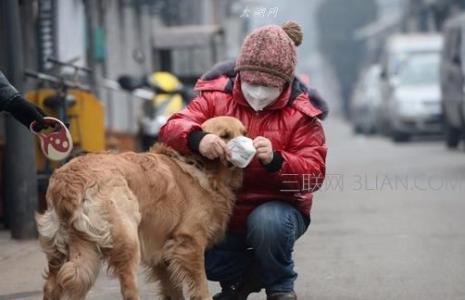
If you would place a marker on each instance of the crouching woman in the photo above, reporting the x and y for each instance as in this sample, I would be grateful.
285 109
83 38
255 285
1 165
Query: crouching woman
283 118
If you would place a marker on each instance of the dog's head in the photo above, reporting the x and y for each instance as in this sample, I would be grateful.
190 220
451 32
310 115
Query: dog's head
225 127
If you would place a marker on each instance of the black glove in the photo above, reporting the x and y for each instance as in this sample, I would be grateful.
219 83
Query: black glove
26 112
23 111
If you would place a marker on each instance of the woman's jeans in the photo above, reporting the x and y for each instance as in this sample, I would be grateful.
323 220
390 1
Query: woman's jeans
272 229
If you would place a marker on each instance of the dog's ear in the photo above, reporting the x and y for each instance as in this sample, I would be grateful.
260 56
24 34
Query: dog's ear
241 129
244 131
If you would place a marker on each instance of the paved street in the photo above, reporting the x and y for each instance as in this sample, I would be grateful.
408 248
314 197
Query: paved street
388 224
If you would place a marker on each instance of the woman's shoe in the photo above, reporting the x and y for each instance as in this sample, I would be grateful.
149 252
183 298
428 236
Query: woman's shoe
239 291
282 296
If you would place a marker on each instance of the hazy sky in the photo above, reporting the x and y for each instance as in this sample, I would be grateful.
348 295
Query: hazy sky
303 12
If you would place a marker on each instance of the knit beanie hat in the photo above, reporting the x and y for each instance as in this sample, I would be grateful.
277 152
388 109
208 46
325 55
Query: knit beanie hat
268 55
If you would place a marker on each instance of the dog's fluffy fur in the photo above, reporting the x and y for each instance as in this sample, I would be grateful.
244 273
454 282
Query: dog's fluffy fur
158 207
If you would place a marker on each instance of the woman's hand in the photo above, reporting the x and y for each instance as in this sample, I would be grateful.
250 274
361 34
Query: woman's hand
212 146
264 149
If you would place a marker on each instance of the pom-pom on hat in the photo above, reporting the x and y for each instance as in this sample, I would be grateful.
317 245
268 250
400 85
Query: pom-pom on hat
268 55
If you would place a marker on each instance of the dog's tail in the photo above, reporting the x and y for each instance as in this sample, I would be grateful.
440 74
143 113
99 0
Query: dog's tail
71 232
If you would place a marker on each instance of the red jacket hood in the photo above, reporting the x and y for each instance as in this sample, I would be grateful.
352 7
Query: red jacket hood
223 78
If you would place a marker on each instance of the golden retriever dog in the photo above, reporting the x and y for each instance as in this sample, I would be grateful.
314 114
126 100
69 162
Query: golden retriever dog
156 207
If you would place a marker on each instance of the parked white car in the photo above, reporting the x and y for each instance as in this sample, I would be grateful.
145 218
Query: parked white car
410 89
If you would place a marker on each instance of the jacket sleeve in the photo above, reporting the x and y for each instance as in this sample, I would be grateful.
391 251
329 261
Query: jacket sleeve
7 92
301 166
182 131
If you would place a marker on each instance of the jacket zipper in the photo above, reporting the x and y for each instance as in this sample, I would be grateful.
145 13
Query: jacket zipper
253 122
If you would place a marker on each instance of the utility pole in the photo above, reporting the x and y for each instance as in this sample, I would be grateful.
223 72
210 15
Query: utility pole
20 169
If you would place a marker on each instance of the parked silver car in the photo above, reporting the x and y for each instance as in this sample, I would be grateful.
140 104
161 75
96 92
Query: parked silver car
410 88
415 106
365 102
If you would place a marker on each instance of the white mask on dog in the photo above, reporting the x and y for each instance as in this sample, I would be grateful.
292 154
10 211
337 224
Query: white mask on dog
259 96
242 151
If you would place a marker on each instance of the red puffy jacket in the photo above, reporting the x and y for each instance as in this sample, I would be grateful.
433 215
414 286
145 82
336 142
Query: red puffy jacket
292 125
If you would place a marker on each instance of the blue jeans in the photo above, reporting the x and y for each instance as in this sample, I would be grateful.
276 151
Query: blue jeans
272 229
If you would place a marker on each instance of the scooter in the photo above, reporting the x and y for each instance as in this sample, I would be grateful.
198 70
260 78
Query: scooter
169 96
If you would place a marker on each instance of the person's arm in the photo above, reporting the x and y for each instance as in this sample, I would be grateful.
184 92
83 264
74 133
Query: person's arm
182 130
302 164
7 91
12 102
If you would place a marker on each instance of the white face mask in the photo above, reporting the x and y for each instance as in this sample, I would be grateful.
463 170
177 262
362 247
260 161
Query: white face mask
259 96
242 151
